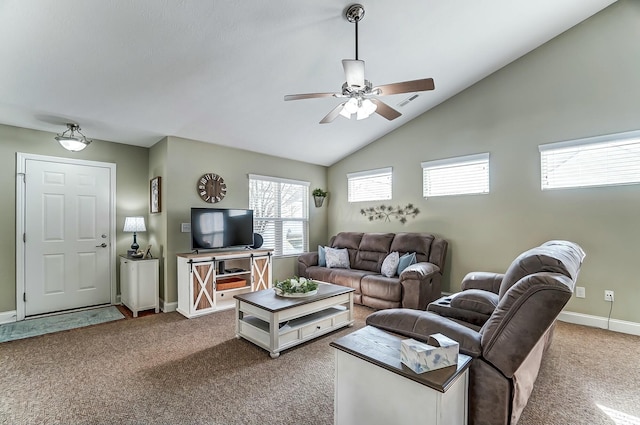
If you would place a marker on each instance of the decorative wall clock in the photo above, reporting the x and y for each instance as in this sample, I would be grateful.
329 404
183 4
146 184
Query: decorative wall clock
211 187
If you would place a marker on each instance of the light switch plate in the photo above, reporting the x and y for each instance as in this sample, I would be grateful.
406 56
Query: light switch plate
185 227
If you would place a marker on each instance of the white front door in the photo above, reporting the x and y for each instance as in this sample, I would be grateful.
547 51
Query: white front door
67 235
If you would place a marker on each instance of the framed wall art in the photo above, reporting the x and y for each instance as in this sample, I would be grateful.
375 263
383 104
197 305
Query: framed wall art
155 205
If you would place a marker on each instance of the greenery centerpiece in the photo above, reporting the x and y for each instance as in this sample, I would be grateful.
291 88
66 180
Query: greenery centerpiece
296 287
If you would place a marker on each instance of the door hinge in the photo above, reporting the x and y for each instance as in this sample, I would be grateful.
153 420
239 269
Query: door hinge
24 238
24 296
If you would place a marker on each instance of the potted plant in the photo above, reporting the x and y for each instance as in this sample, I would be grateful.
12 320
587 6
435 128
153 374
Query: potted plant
318 196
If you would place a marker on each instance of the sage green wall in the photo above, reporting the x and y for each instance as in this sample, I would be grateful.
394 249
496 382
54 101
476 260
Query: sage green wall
583 83
187 160
158 221
131 191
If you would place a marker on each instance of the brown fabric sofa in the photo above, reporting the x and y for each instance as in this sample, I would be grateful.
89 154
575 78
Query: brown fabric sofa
508 347
414 288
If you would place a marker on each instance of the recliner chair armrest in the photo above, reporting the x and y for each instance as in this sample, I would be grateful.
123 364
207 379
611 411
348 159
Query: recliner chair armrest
420 285
306 260
486 281
420 324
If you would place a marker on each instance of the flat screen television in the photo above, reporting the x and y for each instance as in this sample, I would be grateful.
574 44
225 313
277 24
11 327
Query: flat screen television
215 228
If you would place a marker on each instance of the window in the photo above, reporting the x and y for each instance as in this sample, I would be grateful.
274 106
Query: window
371 185
280 213
596 161
461 175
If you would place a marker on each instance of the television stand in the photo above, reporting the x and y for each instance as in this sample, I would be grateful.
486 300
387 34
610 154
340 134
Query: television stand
204 287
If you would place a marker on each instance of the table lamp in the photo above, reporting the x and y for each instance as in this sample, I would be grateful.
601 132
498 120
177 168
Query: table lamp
134 224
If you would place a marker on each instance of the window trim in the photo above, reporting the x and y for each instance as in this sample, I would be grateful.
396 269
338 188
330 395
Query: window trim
370 173
305 220
479 158
585 141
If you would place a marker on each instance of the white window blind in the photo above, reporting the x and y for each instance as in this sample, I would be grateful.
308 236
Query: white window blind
456 176
371 185
596 161
280 213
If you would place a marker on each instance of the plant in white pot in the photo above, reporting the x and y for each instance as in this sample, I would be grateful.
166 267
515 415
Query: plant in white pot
318 196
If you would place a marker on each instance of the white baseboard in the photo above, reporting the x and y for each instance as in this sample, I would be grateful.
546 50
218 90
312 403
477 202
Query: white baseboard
168 307
8 316
615 325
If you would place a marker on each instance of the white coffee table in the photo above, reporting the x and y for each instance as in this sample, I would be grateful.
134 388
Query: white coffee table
276 323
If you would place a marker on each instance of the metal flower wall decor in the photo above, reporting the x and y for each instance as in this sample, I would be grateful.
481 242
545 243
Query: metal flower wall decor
385 212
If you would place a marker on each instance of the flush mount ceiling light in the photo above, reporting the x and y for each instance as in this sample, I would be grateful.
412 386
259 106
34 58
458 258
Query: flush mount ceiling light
72 142
361 95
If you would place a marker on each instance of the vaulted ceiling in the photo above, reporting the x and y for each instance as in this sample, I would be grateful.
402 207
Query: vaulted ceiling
216 71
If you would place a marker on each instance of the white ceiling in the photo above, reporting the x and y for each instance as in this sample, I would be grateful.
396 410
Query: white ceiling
134 71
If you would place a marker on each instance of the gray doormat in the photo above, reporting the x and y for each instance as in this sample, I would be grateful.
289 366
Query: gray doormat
59 322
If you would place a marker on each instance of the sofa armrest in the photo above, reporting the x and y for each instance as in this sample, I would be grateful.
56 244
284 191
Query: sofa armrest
420 324
420 285
306 260
486 281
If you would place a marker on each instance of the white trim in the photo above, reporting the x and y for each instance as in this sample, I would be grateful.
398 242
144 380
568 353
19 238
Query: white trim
457 160
370 173
168 307
278 179
7 317
21 164
631 328
590 140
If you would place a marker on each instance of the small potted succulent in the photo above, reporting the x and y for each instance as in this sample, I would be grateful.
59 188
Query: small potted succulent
318 196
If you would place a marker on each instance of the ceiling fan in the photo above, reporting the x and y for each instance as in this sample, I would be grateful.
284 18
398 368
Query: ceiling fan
360 94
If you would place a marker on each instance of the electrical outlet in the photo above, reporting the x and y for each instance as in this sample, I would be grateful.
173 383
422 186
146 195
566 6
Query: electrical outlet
580 292
185 227
608 295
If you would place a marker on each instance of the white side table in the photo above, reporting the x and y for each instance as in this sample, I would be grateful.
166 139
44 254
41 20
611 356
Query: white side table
373 386
139 282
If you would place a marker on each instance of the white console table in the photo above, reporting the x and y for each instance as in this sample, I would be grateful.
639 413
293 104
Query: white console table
208 281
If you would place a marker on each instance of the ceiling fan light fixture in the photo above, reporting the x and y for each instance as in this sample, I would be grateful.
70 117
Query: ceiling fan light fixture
71 141
366 109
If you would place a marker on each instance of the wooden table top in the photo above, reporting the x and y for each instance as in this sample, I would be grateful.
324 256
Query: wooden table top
383 349
269 301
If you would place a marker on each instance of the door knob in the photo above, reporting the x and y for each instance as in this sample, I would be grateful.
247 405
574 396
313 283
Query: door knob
102 245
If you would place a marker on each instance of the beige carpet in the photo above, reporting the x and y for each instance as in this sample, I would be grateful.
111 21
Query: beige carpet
165 369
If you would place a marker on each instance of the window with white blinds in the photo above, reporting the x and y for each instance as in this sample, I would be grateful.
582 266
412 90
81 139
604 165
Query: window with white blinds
280 213
461 175
596 161
370 185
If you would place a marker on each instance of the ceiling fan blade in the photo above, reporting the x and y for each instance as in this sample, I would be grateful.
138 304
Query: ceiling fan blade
354 72
406 87
385 110
308 96
333 114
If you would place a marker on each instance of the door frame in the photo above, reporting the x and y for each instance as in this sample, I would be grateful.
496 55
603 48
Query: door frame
21 165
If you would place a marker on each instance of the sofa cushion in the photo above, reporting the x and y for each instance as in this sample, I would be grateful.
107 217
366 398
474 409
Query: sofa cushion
405 261
337 258
390 264
322 256
381 287
420 243
373 249
345 277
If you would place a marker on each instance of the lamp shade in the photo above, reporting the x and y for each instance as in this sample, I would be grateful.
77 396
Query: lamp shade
134 224
70 141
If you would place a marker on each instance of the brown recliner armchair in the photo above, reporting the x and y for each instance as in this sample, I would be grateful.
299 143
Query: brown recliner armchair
507 348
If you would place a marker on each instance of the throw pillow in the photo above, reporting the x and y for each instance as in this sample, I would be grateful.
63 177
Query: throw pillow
337 258
322 259
405 261
390 264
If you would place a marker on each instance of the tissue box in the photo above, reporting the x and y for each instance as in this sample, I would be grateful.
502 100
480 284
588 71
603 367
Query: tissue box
438 352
